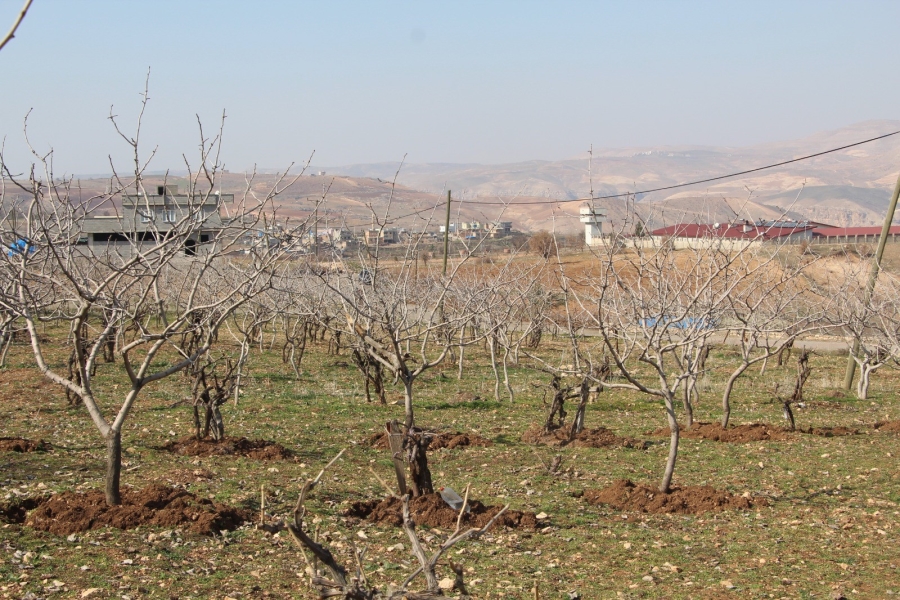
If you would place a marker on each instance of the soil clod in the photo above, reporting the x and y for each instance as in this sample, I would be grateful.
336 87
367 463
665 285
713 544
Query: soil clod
889 426
588 438
828 431
15 510
448 440
17 444
432 511
162 506
256 449
738 434
625 495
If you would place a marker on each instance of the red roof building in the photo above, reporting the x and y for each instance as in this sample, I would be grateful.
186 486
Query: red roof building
851 234
741 230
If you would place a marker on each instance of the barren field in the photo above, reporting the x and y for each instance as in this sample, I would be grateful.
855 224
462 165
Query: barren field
784 515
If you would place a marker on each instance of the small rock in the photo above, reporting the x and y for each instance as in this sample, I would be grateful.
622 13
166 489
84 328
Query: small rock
72 538
362 535
90 592
726 583
446 584
541 516
647 578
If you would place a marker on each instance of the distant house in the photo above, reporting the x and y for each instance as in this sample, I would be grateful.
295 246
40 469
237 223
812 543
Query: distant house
146 218
386 235
737 234
498 229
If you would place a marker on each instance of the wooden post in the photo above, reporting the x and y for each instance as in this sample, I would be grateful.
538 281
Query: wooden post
395 442
447 233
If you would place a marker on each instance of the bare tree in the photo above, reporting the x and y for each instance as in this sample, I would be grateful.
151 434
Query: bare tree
873 326
655 307
151 280
356 587
770 308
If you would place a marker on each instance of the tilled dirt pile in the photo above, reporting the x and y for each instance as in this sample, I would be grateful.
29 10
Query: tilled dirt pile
162 506
17 444
888 426
738 434
625 495
588 438
431 510
449 440
15 510
256 449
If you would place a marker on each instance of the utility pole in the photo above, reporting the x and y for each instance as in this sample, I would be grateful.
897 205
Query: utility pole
447 233
873 277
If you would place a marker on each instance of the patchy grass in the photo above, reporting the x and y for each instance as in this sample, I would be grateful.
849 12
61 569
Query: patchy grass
830 524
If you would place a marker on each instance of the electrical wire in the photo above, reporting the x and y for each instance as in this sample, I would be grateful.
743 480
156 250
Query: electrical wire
659 189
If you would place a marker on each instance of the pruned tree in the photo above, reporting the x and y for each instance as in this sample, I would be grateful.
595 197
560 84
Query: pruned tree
405 320
213 385
770 308
151 279
655 308
342 584
873 327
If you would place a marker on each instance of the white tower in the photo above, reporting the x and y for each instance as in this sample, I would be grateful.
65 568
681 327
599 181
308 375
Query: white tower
593 218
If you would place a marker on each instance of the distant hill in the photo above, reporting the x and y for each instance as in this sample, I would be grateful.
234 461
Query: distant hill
851 187
847 188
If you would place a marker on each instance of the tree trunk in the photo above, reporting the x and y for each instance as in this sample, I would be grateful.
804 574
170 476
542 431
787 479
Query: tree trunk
673 446
5 342
688 407
218 423
492 345
862 386
726 396
506 383
113 467
197 421
578 421
409 420
417 456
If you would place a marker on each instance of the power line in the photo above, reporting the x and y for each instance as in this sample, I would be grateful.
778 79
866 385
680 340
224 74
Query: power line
659 189
717 178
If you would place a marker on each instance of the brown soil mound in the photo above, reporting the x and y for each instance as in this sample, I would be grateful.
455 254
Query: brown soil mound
588 438
431 510
891 426
738 434
448 440
625 495
15 510
829 431
258 449
15 444
72 512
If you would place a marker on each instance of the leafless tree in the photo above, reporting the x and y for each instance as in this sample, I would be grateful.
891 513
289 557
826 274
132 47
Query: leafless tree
770 308
873 326
146 283
655 307
356 586
213 385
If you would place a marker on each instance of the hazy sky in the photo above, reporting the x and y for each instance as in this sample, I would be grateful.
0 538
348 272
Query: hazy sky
456 81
